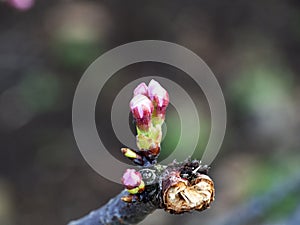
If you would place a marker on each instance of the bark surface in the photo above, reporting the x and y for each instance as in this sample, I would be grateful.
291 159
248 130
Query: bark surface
157 179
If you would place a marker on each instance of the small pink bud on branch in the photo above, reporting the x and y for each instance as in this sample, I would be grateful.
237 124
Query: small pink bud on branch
132 180
148 107
160 98
141 108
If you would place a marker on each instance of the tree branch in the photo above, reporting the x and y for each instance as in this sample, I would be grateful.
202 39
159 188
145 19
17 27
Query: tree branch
117 212
178 188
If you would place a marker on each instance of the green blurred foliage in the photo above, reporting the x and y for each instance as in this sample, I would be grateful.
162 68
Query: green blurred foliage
75 53
268 173
41 91
171 138
259 86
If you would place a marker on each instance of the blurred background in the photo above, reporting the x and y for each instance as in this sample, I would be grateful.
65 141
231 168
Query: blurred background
253 48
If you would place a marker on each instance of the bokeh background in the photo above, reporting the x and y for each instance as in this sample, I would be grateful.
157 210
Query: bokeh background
253 48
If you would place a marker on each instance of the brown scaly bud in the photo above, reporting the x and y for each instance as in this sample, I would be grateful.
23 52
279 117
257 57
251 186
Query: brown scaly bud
141 108
130 198
151 154
195 192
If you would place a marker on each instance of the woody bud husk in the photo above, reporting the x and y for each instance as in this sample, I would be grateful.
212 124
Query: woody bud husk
180 195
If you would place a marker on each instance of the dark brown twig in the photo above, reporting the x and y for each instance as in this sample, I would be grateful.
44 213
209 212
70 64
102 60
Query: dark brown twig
117 212
188 196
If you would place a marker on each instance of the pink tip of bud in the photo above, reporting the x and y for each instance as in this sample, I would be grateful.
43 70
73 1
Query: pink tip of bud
159 96
21 4
141 106
141 89
131 178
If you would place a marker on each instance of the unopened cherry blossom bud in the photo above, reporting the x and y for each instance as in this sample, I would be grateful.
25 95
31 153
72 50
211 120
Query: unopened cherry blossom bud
141 89
141 108
160 98
132 180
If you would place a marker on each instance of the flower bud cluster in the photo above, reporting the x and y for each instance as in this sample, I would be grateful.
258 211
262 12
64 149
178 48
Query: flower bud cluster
148 107
149 104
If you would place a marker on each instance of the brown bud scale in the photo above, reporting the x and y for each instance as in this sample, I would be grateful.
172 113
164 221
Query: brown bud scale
182 195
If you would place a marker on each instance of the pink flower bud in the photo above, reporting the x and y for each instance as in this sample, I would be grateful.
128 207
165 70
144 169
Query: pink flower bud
141 89
21 4
131 179
159 96
141 108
